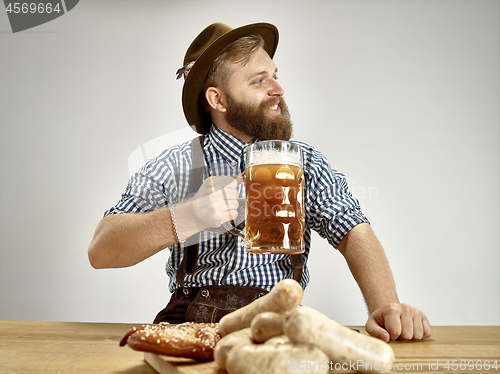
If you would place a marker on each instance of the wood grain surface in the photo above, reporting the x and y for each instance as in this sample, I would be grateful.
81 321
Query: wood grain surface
72 347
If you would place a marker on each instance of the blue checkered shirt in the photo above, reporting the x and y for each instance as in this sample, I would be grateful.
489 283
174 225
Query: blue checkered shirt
330 209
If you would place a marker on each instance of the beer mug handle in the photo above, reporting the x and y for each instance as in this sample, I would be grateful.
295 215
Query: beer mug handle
235 230
237 226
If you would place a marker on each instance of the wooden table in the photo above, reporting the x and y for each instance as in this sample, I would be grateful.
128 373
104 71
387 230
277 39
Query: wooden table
71 347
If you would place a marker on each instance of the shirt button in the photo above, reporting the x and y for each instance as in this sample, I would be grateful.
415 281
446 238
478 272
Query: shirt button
233 164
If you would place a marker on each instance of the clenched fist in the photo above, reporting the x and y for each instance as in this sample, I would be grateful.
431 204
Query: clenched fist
398 321
215 202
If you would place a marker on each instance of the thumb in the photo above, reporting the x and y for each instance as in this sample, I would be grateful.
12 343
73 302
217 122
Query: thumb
374 329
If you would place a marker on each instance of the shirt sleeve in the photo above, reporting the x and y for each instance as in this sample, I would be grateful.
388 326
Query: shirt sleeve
332 211
159 182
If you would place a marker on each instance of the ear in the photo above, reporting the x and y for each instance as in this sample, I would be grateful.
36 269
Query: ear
216 99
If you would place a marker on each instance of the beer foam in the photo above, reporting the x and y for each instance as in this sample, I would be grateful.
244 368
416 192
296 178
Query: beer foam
267 157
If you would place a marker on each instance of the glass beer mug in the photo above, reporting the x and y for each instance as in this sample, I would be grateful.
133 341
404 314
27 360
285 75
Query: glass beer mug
274 198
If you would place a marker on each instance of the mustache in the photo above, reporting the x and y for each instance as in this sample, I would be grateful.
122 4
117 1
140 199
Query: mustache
273 101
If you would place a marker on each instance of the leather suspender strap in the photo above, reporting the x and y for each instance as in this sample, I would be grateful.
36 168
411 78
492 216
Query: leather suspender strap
188 263
298 264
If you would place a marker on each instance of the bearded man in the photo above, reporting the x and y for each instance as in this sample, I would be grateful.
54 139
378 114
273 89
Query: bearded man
183 199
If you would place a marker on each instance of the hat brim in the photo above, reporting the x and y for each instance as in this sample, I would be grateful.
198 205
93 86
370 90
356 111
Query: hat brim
192 95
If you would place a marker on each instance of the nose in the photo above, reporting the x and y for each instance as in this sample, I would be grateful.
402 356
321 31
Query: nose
276 89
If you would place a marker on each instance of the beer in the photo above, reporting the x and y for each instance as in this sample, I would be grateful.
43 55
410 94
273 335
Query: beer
274 206
274 199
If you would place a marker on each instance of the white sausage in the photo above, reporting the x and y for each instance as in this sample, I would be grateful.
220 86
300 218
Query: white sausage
282 339
267 325
341 344
277 359
228 342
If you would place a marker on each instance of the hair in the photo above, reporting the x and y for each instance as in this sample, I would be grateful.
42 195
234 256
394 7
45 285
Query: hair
239 52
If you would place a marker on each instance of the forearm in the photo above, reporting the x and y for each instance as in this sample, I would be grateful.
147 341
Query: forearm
126 239
369 266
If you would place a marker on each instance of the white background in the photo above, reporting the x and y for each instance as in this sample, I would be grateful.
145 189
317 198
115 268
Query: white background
402 96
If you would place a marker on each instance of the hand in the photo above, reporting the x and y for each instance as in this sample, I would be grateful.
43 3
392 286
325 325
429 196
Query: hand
215 202
398 321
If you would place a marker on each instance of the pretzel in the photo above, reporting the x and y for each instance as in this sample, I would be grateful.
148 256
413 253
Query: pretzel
189 339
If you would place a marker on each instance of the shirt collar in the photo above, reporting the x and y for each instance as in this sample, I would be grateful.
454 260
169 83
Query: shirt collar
229 146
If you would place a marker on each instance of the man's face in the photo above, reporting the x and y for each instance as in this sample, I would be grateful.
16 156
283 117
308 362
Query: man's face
255 105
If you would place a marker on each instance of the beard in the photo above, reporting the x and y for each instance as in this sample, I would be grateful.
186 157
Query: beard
257 122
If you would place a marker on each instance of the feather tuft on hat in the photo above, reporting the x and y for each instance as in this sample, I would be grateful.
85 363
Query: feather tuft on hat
184 71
